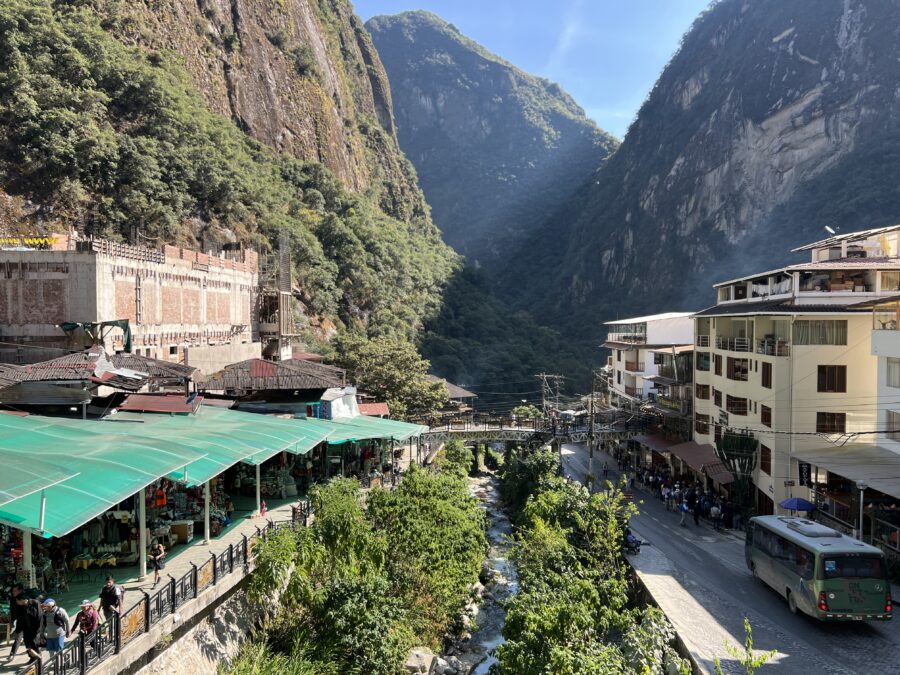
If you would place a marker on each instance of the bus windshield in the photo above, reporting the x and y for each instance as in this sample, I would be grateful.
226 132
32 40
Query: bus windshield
853 567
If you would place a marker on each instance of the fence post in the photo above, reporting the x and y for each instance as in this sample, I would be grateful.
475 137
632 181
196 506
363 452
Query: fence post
146 612
230 558
246 549
194 578
117 632
215 569
82 655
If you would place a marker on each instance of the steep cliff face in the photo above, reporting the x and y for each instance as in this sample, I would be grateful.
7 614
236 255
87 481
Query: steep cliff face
301 76
773 120
496 149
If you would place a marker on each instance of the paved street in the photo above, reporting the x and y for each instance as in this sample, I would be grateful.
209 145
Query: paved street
707 590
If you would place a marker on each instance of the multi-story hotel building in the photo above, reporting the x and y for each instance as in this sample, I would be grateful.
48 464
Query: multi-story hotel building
786 356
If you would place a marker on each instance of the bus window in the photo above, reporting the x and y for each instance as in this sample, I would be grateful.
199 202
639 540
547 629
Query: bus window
805 563
853 567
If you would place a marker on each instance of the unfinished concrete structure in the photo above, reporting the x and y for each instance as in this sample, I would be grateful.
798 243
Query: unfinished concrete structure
181 306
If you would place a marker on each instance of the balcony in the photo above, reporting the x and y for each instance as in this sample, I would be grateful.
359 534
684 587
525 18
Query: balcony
634 392
703 340
634 366
773 347
680 406
631 338
737 344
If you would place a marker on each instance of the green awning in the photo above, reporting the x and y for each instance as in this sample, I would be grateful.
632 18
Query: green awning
363 427
225 437
107 469
22 476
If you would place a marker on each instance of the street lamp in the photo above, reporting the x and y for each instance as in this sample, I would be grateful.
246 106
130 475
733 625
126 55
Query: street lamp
861 485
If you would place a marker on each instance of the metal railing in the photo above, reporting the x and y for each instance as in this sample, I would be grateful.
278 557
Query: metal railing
703 340
631 338
772 347
634 391
679 405
85 652
634 366
737 344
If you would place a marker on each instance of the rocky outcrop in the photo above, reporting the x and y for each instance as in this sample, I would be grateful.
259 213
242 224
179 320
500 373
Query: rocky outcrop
771 121
496 149
301 76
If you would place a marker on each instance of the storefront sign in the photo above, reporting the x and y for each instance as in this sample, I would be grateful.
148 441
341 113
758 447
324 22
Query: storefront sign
805 472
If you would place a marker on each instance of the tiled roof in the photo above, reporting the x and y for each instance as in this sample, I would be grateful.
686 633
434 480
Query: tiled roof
10 374
374 409
260 375
156 368
91 365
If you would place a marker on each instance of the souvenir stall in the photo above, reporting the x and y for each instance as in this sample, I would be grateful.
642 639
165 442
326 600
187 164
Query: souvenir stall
276 480
109 540
176 514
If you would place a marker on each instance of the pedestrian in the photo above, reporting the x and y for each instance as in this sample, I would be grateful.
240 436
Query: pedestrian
112 597
696 512
54 626
17 617
684 512
605 469
715 513
736 518
157 559
31 610
87 620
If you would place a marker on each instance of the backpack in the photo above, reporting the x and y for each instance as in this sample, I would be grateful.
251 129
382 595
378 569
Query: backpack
116 595
57 618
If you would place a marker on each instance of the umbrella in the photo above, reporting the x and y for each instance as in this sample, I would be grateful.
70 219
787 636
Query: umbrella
797 504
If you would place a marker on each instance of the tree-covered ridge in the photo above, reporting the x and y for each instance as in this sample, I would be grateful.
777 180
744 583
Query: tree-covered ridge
115 141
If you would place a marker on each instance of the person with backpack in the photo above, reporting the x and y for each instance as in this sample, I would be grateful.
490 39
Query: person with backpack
17 616
112 598
31 624
54 626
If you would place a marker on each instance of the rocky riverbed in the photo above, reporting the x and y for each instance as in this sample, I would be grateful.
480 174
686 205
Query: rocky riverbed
472 654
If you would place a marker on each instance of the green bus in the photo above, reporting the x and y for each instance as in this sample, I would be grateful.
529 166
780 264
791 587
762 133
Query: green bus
818 570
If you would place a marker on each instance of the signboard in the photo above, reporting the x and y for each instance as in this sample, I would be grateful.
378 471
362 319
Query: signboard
789 483
805 469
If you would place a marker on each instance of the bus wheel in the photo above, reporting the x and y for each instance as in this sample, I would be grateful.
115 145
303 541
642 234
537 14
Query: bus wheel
792 604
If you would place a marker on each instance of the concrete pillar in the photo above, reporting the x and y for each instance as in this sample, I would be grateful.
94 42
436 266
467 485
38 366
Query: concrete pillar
206 536
142 534
27 564
258 498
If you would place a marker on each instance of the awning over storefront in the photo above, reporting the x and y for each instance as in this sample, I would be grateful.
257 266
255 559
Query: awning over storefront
877 466
654 442
225 437
718 472
363 428
107 469
694 454
22 476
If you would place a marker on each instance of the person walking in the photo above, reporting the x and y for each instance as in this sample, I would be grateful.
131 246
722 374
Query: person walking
17 617
54 626
157 560
31 610
605 470
715 513
87 620
696 512
684 512
112 597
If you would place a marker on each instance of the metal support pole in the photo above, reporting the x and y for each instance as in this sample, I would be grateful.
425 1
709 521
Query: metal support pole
206 537
84 411
258 497
142 534
27 563
862 489
591 480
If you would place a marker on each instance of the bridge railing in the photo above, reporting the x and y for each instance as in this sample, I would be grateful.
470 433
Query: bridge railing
481 421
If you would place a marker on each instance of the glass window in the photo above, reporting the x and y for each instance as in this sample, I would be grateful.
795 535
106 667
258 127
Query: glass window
702 424
767 375
890 281
832 379
893 372
831 423
736 405
820 332
703 361
717 361
854 567
765 415
738 369
702 391
893 425
765 459
717 397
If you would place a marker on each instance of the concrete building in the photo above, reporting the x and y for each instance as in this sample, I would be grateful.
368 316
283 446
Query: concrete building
180 305
785 358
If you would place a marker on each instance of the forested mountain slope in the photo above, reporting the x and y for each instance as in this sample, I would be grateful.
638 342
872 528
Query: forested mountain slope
497 150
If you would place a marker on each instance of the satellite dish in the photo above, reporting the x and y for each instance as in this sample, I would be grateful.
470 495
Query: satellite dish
830 230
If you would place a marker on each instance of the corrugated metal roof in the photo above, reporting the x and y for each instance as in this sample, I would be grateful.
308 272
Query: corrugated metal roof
860 235
261 375
43 393
156 368
161 403
776 307
374 409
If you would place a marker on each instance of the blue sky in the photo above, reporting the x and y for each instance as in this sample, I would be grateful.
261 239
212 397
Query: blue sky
606 53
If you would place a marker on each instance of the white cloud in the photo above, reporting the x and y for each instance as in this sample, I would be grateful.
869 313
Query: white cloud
572 30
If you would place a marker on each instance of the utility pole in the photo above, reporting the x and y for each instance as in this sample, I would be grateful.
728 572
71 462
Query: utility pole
550 385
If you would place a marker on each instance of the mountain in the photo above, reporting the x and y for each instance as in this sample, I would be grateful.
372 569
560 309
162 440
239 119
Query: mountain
209 122
773 120
497 150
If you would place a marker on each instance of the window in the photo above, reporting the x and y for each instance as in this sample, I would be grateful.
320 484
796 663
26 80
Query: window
831 423
718 434
173 350
702 391
893 425
618 355
703 361
833 379
820 332
735 405
717 360
738 369
893 372
890 281
765 415
765 459
767 375
618 377
701 425
717 397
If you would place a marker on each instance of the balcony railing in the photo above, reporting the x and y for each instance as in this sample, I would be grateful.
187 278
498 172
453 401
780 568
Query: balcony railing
738 344
703 340
678 405
631 338
634 392
634 366
773 347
